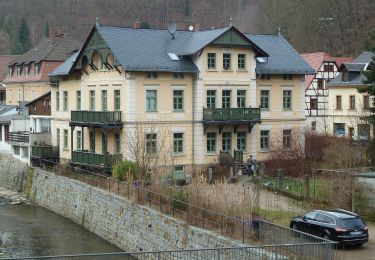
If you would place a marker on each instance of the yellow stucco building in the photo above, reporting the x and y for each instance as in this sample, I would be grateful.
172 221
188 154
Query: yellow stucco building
176 97
348 107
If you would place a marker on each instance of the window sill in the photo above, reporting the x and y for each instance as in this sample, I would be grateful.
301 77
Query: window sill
151 111
211 154
264 150
242 70
352 109
229 70
287 109
338 109
211 70
178 111
65 149
179 154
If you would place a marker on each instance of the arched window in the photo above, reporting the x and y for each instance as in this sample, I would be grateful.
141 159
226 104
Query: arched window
85 63
110 60
96 60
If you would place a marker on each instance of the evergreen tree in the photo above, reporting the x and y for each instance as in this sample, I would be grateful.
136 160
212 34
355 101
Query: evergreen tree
23 42
370 90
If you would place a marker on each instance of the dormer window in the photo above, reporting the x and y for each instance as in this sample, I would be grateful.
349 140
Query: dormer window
36 69
27 70
11 71
19 70
345 76
226 61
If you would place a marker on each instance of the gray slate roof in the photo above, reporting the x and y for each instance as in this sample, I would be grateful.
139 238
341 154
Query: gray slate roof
365 57
65 67
147 50
283 58
6 108
355 66
355 69
60 51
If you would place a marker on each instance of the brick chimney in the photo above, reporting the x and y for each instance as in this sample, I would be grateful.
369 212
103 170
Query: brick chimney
54 35
136 25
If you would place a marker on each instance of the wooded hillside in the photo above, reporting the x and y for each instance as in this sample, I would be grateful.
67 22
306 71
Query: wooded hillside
341 27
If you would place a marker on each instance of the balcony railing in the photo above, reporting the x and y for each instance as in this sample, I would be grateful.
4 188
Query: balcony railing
231 114
44 151
86 157
96 117
18 137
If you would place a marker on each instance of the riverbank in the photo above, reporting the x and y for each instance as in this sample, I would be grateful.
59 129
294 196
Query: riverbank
27 230
11 197
129 226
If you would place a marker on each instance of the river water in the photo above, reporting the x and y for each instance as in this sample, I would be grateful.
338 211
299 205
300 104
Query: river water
28 230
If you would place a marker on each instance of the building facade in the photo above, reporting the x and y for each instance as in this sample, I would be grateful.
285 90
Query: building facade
4 62
347 107
176 98
27 76
316 93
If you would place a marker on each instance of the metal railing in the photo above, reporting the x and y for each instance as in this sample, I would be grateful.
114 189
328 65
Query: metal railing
96 116
94 158
19 137
254 231
231 114
275 252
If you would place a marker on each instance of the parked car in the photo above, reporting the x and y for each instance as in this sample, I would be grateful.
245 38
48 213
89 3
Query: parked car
338 225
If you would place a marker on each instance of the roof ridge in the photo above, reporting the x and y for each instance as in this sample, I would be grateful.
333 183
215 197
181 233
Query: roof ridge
161 29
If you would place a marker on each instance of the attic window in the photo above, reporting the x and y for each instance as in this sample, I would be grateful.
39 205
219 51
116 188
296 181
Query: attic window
345 76
36 69
173 56
261 60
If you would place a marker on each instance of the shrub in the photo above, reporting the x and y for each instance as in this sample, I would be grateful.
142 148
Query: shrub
226 160
125 170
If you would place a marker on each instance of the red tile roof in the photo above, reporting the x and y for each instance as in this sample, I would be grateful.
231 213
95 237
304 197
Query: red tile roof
4 61
316 60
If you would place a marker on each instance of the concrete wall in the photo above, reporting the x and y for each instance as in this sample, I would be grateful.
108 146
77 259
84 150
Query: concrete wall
121 222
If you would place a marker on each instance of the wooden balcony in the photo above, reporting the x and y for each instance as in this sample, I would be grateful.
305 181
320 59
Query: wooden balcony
44 151
88 158
231 116
96 118
18 137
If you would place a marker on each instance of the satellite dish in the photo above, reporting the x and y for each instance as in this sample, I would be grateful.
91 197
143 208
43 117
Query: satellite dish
191 28
172 28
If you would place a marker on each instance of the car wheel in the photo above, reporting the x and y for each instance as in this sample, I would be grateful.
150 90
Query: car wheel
296 234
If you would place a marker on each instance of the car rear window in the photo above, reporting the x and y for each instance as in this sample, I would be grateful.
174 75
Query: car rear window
351 222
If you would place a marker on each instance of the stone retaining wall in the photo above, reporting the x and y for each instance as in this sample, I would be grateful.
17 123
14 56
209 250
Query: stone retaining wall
12 172
127 225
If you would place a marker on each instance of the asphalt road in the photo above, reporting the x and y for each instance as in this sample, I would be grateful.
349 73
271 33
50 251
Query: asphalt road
365 252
